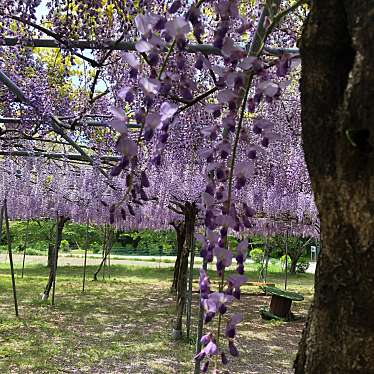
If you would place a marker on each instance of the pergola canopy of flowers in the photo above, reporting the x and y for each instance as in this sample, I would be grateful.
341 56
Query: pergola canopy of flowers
158 95
112 111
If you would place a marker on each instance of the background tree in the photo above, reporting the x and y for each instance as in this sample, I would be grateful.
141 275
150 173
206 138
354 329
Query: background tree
297 246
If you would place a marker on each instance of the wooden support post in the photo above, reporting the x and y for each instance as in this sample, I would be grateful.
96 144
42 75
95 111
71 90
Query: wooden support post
190 280
85 258
264 262
24 248
200 326
104 251
286 262
55 261
267 260
1 222
5 212
109 265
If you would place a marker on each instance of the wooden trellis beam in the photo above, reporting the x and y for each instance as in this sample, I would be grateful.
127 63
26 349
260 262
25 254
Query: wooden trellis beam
88 123
207 49
55 155
57 125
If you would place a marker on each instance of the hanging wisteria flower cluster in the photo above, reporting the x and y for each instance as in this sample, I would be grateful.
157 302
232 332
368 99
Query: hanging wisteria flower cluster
242 82
197 102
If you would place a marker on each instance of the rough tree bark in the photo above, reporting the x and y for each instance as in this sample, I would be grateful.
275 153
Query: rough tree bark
337 97
50 255
50 245
189 211
60 223
293 265
181 237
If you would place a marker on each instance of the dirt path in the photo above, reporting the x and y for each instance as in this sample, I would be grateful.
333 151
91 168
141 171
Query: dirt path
77 261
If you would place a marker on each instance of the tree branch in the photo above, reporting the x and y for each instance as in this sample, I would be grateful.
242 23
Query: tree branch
56 37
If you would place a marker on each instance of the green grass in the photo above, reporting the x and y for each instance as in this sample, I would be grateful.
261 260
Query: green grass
123 325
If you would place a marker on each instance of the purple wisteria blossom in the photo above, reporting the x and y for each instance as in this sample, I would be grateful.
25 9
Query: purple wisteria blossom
234 282
242 250
208 351
204 284
224 258
230 330
221 301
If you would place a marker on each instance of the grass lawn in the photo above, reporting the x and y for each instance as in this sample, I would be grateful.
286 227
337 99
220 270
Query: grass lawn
123 325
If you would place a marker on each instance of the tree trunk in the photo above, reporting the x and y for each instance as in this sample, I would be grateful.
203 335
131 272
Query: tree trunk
53 269
181 236
189 211
50 255
293 264
4 212
107 248
190 242
337 97
50 247
181 288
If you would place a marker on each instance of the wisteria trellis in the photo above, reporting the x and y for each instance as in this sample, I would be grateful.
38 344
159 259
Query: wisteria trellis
223 131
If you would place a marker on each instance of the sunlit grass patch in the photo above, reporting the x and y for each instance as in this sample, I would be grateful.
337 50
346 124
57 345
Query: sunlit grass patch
123 324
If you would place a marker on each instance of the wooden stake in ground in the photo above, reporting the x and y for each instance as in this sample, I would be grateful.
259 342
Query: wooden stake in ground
24 248
5 213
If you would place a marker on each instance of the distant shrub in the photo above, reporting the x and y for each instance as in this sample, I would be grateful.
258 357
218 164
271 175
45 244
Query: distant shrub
19 248
65 246
302 265
34 252
256 254
283 262
96 247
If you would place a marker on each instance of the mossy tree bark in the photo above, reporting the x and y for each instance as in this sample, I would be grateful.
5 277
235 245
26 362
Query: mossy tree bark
337 98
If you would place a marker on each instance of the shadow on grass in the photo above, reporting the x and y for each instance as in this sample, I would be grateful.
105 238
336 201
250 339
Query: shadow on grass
123 325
